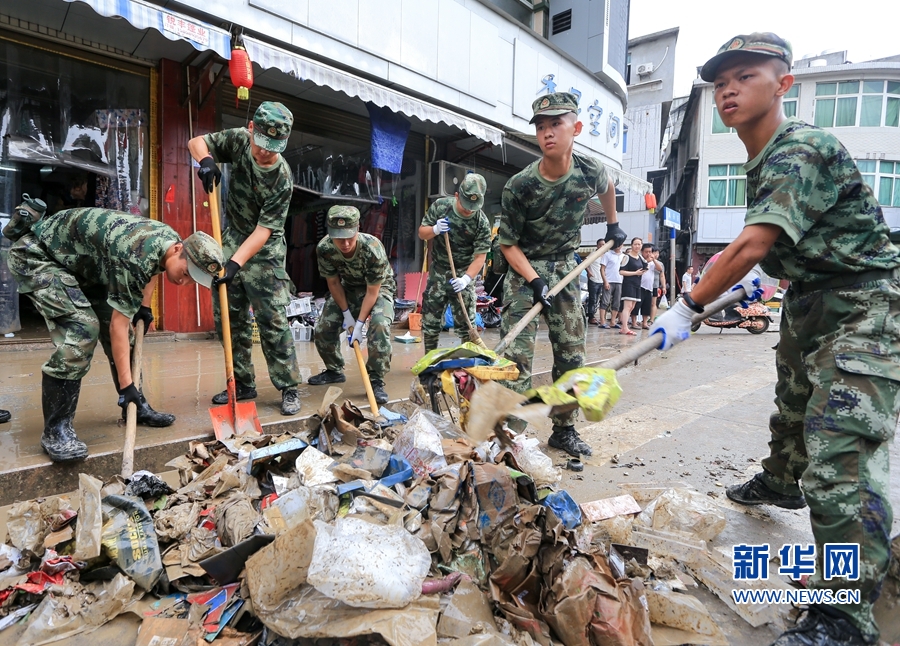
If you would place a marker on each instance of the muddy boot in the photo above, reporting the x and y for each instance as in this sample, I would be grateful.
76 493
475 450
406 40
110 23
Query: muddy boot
823 627
146 416
4 416
241 391
290 401
566 438
59 398
381 396
757 492
327 377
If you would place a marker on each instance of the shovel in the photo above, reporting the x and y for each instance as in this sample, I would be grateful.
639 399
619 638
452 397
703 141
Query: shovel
474 337
233 418
373 405
131 411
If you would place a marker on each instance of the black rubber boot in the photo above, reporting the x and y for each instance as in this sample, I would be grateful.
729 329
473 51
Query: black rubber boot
327 377
59 398
4 416
381 396
566 438
241 391
146 416
290 401
823 627
757 492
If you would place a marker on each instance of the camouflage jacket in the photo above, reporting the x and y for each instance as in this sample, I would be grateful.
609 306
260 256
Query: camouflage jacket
367 266
103 247
544 218
805 182
468 236
256 195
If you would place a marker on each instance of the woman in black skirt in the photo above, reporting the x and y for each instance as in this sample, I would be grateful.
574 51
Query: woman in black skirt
633 267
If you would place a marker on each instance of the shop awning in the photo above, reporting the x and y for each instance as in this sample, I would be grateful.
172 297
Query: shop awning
624 180
172 25
307 69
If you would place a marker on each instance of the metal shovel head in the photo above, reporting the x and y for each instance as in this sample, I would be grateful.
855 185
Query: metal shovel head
235 418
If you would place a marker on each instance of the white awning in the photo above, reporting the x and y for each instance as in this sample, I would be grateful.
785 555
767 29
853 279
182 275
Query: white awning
172 25
307 69
625 180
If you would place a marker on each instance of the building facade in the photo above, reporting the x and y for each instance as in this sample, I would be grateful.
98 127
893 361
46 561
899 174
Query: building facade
451 80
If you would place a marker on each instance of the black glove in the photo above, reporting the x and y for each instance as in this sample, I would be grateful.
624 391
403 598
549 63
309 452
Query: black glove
144 314
615 233
231 270
540 289
129 394
209 173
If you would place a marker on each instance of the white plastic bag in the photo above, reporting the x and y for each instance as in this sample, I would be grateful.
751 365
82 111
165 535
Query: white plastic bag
534 462
682 510
664 302
366 565
420 443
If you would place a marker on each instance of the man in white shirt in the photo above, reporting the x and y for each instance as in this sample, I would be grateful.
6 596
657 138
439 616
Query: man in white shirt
612 286
687 281
595 285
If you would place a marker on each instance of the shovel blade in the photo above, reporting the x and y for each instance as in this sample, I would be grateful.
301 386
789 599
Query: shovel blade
231 419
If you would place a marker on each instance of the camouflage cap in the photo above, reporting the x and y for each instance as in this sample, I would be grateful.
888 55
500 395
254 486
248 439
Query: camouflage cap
342 221
761 42
205 258
554 104
471 192
272 126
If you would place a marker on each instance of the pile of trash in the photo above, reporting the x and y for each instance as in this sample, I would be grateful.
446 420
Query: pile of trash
398 530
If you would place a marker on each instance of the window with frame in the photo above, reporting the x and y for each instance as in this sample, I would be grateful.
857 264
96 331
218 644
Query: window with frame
790 100
867 104
727 185
883 177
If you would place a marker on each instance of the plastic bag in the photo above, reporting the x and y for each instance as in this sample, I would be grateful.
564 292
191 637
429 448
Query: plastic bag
420 444
664 302
90 518
366 565
565 508
682 510
534 462
130 539
26 527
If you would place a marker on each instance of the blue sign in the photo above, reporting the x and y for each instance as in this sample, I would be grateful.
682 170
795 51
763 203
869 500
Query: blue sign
671 218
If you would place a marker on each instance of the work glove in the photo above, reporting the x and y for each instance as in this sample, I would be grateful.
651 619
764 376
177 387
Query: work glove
441 226
129 394
231 270
674 325
357 334
540 289
614 232
751 287
209 173
144 314
348 320
459 284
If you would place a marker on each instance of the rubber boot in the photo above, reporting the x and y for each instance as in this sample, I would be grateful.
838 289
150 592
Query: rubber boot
146 416
4 416
59 398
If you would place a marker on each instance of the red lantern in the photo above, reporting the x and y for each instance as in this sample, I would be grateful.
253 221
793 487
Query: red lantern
650 202
241 70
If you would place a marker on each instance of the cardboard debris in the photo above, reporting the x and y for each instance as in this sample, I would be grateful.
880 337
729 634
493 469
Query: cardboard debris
598 510
687 615
90 518
468 611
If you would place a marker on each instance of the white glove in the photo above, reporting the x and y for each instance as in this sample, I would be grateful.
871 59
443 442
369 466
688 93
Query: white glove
348 320
459 284
751 287
357 333
441 226
674 325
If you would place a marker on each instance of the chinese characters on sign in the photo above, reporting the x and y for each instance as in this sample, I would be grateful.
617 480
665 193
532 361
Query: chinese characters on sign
185 29
839 560
549 85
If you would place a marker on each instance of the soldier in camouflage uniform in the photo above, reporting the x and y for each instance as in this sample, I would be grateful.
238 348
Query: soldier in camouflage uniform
813 220
540 229
461 218
361 284
259 194
91 273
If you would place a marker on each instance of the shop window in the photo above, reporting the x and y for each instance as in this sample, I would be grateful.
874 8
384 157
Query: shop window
789 102
867 104
727 185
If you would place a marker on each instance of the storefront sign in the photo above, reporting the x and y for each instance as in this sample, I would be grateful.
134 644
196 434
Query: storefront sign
185 29
594 111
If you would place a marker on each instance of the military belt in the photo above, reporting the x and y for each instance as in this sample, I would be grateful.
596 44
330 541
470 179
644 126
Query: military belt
845 280
555 257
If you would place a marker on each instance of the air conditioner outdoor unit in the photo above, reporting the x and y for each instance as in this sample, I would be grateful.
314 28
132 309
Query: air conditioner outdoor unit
444 178
645 69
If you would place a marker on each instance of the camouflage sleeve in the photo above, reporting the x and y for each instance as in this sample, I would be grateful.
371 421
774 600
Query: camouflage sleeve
324 259
594 173
225 145
432 215
482 235
126 289
378 269
795 190
511 218
275 209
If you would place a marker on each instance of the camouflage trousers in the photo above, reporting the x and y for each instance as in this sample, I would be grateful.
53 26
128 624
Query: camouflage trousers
268 291
378 335
565 324
838 400
438 294
76 316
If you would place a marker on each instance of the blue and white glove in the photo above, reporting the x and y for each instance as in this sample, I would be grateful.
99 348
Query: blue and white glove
674 325
348 320
441 226
357 334
459 284
751 287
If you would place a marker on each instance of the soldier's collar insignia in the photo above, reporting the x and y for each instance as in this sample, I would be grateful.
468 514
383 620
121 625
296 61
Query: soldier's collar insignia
737 43
273 131
545 103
